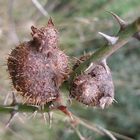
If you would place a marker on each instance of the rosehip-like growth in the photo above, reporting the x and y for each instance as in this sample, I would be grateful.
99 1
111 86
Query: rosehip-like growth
38 67
94 87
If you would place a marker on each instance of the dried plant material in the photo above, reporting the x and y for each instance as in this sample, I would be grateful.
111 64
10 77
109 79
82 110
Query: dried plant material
94 87
80 60
38 67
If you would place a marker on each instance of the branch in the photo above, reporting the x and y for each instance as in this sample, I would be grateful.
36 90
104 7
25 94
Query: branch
40 8
100 130
127 31
19 107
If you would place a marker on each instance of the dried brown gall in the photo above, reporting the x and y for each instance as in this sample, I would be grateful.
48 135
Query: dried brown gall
94 87
38 67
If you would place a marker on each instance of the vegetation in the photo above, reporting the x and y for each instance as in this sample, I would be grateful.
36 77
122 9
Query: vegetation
79 23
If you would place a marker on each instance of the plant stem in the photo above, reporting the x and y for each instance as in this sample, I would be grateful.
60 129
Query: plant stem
21 108
104 52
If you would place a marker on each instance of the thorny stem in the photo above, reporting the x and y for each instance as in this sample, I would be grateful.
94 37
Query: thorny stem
106 132
19 107
40 8
104 52
78 133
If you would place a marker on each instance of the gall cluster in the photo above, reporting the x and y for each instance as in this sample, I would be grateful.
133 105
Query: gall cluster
38 68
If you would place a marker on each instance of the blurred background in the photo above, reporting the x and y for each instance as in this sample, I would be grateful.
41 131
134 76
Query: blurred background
78 22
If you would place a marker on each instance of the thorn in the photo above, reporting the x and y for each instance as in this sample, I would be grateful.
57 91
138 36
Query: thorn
13 113
6 99
104 64
50 116
121 22
115 101
89 68
102 106
44 117
106 101
26 99
50 22
14 99
32 115
111 39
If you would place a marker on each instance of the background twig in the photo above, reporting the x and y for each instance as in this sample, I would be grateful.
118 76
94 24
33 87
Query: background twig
40 8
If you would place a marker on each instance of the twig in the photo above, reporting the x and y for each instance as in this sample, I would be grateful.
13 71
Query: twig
40 8
124 36
85 123
100 130
123 137
78 133
107 132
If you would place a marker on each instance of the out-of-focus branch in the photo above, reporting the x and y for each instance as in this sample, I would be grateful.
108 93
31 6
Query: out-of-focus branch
51 5
93 127
19 107
40 8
